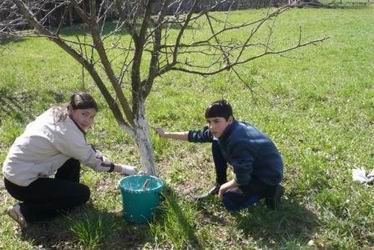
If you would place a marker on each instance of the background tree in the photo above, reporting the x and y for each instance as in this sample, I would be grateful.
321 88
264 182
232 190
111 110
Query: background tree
160 39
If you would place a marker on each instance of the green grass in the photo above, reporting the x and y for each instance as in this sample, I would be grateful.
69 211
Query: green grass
92 230
317 104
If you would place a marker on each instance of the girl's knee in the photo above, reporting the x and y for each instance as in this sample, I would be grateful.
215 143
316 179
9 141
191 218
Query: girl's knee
85 193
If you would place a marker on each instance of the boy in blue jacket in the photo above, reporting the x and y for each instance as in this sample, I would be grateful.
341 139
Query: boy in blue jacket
256 162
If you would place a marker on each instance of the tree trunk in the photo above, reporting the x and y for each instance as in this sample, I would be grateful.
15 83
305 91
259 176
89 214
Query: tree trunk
143 140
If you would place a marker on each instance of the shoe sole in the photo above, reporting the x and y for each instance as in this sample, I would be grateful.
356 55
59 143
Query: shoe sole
207 195
16 217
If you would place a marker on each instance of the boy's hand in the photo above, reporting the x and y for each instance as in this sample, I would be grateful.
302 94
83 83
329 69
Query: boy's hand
223 189
160 132
172 135
226 187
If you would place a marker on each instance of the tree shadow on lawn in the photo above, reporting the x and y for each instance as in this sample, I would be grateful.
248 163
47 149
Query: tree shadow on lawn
89 228
16 106
109 28
290 223
271 229
9 40
172 209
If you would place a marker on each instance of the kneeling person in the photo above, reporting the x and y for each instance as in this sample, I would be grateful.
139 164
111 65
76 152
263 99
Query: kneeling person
256 162
42 168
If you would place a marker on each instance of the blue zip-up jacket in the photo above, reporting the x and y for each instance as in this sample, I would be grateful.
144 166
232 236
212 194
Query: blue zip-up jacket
250 152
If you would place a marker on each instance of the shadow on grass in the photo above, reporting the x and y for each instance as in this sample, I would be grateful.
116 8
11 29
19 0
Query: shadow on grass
273 228
80 30
16 105
87 228
174 223
109 27
175 209
90 228
8 40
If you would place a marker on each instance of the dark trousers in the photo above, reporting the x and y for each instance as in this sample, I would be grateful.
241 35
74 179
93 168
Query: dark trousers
244 196
46 198
220 163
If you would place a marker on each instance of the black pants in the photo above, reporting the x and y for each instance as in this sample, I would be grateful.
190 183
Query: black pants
46 198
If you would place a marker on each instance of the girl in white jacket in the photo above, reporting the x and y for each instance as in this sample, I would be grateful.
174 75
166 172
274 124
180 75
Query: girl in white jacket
54 144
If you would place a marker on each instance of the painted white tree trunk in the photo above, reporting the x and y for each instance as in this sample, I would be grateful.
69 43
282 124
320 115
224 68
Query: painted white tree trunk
143 140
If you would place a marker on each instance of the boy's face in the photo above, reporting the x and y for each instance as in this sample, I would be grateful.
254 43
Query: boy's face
218 124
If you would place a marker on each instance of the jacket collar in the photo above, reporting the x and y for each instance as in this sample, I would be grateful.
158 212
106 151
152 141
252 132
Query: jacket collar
228 130
84 133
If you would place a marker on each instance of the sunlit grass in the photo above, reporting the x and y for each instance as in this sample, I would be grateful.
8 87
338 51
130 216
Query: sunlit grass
91 230
316 103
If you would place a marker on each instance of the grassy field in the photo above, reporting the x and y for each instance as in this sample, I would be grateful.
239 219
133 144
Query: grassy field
317 104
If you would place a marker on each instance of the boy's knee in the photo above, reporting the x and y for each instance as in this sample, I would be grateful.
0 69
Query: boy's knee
229 203
232 204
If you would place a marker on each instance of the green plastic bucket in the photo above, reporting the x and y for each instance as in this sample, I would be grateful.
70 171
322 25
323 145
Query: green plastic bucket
140 197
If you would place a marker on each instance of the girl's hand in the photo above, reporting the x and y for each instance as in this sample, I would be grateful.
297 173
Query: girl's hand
127 169
103 163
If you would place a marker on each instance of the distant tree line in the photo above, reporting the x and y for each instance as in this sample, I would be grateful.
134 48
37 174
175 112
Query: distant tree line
50 11
69 16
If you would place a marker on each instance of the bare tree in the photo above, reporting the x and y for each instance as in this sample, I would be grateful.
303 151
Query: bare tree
159 34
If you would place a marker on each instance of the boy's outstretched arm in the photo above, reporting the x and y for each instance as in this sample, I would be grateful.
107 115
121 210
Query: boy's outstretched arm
183 136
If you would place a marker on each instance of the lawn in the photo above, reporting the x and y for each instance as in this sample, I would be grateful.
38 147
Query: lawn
317 103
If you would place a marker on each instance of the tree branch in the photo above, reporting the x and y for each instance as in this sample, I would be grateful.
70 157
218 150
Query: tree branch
88 66
279 52
153 65
99 46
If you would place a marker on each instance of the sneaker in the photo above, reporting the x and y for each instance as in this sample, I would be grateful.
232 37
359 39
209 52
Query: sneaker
15 213
274 201
213 191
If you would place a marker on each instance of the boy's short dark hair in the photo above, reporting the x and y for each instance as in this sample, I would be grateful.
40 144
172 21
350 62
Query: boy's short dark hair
220 108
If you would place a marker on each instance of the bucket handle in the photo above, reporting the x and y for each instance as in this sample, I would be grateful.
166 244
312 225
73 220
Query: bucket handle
145 185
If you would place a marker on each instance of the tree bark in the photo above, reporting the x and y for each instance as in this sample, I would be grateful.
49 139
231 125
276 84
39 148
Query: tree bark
142 138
